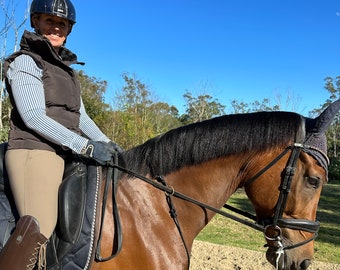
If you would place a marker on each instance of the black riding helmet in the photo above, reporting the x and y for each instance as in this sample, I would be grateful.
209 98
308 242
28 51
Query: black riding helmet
60 8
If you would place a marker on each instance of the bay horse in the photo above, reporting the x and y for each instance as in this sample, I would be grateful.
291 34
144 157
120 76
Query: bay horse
279 158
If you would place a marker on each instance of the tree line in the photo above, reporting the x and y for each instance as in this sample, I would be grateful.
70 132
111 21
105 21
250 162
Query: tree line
135 115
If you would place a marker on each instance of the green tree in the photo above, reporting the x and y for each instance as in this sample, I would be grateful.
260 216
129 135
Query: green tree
138 117
133 101
93 94
333 134
255 106
163 117
332 86
201 107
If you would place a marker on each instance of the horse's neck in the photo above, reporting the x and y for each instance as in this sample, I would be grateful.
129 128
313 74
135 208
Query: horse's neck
212 182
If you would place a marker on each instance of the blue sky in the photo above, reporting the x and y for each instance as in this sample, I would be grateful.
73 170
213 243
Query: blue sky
231 49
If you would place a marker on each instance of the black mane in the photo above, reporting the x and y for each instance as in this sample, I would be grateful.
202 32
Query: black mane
214 138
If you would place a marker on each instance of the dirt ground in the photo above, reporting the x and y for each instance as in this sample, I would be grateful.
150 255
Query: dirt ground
207 256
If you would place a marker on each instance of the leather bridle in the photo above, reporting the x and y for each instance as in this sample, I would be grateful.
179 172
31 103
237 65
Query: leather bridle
272 226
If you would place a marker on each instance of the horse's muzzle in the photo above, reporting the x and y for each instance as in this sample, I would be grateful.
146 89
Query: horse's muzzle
284 263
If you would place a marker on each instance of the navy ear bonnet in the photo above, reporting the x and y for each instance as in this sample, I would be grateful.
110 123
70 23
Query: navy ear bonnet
316 146
316 141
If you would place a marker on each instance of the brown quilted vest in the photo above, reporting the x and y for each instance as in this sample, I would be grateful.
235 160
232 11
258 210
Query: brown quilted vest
62 93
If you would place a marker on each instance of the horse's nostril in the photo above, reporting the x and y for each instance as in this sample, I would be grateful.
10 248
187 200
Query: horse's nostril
304 265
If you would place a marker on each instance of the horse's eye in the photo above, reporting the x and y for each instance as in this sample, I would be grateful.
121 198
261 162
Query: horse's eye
314 181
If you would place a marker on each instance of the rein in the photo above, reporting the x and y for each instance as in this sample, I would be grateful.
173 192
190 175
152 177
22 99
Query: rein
118 238
172 192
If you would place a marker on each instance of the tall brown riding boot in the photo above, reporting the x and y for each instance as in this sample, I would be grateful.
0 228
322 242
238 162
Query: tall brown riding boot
22 248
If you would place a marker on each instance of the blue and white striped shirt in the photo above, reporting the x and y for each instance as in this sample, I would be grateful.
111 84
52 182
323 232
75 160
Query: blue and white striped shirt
25 78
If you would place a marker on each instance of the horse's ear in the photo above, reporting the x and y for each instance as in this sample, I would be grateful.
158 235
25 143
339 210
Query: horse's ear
321 123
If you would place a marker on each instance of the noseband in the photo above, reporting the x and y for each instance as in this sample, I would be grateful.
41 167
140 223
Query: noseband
272 226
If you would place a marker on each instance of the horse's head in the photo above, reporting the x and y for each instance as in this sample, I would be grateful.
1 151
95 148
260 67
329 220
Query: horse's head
285 192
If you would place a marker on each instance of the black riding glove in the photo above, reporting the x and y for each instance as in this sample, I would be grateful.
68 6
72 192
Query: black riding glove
102 152
116 147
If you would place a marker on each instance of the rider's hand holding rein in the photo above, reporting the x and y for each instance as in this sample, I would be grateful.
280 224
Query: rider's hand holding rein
101 152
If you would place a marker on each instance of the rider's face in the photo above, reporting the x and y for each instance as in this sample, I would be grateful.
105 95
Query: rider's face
54 28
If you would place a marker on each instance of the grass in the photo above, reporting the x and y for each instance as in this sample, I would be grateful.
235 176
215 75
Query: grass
225 231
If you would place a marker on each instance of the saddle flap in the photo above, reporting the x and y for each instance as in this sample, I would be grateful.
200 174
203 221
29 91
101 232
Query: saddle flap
72 197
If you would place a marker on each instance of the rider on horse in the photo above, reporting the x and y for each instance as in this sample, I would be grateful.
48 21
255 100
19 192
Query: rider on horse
48 125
